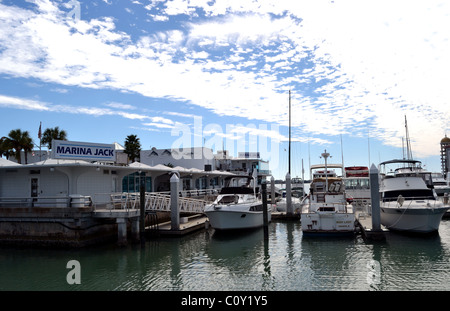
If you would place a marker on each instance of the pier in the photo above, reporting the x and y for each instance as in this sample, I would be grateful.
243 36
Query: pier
368 219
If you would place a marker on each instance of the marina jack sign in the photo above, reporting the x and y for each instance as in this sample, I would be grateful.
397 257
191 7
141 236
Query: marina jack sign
75 150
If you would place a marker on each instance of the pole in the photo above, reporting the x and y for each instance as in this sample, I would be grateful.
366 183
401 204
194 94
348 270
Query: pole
40 139
142 210
174 207
375 198
289 209
272 190
264 203
289 156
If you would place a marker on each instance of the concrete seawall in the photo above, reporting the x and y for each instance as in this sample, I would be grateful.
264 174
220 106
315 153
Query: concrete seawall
56 227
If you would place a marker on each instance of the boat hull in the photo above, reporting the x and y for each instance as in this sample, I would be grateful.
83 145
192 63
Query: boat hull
323 223
231 220
418 220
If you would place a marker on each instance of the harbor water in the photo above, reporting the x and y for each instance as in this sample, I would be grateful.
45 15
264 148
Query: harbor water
211 261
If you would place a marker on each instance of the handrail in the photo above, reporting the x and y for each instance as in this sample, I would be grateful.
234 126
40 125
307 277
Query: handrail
409 200
47 201
154 201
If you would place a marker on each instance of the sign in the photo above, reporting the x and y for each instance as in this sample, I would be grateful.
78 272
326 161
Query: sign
75 150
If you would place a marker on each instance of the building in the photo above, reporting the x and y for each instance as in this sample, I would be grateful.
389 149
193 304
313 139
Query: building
244 164
445 156
203 159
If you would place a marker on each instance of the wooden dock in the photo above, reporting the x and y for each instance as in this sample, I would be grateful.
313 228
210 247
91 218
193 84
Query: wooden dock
364 222
187 225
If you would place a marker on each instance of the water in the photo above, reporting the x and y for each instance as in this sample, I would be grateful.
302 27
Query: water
207 261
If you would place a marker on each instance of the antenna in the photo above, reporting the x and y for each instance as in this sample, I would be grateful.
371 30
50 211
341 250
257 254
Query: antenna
342 153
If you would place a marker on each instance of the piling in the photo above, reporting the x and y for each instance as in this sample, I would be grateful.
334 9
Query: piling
289 208
264 202
174 207
121 231
142 212
272 190
375 198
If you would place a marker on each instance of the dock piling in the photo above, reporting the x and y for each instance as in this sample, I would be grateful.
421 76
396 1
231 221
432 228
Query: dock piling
375 198
272 190
289 209
121 231
142 212
174 207
264 203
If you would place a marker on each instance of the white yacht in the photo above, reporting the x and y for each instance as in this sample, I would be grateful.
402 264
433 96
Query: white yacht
281 204
237 207
408 201
357 185
440 184
325 210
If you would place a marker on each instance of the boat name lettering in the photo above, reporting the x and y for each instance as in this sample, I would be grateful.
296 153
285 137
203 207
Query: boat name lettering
343 222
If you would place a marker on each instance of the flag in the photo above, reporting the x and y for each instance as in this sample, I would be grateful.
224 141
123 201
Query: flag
39 133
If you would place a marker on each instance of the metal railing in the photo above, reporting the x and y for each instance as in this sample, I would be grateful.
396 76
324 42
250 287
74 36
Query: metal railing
405 202
154 201
46 201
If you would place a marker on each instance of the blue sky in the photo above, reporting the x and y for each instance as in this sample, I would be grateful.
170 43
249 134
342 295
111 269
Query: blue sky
213 73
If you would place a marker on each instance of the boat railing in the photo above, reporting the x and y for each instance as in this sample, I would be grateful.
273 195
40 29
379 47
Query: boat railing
405 202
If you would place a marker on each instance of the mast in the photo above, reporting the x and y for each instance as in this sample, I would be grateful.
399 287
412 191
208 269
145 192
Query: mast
289 156
408 143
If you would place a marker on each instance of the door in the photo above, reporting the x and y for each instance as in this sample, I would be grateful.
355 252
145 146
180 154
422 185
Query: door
34 187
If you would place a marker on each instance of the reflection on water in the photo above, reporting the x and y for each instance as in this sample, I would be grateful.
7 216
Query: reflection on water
210 260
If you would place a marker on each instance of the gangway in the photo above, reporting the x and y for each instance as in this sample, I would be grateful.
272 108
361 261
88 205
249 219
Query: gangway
154 202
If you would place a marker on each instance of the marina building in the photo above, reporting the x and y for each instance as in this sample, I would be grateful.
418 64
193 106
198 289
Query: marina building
56 198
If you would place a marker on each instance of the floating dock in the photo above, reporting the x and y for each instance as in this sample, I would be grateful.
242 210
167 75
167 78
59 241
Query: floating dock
364 222
187 225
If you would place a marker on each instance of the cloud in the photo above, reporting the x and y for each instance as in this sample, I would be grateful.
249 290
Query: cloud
30 104
352 66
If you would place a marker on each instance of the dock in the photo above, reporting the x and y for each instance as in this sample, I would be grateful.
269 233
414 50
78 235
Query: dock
187 225
364 222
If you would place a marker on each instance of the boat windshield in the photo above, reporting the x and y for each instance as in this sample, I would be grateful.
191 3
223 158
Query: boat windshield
422 194
229 199
357 183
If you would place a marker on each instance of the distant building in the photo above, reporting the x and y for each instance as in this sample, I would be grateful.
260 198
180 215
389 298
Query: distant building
445 155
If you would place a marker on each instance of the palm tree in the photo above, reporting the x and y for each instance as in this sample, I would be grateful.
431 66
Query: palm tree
132 147
19 141
5 148
53 133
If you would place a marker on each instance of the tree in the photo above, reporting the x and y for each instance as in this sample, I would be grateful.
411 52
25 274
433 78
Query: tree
132 147
19 141
5 147
53 133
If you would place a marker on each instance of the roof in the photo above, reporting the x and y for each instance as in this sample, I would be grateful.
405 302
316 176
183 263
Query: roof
445 140
4 162
400 161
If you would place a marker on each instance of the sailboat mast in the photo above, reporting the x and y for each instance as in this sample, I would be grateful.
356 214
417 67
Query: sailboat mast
289 156
408 145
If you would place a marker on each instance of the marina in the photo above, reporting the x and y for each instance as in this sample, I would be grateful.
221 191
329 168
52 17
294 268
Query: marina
208 261
235 228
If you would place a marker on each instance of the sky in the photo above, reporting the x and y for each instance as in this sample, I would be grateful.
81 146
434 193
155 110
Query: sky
217 73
